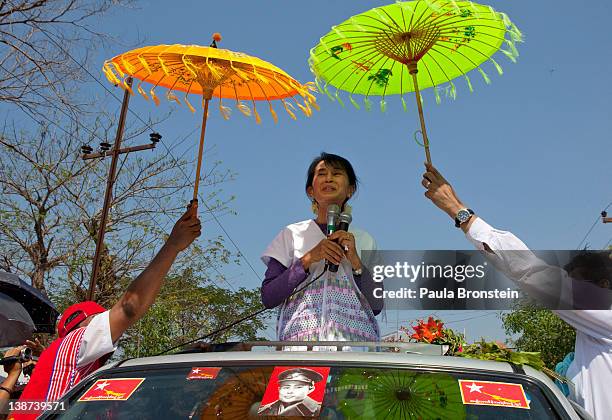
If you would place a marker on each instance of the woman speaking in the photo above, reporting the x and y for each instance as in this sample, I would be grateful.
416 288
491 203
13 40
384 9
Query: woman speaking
328 305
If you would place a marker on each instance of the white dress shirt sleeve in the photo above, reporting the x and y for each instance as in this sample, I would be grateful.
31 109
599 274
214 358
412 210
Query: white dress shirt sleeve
549 285
97 340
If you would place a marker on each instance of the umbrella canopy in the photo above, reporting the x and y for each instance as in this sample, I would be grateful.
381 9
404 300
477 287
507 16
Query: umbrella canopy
411 45
16 325
238 397
400 395
40 308
211 71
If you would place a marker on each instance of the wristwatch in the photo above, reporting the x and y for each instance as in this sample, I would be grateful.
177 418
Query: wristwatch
463 216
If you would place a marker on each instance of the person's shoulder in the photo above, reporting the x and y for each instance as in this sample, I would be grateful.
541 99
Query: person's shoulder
312 405
267 407
299 227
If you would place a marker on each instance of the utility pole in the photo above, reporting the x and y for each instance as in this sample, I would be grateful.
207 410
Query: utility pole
105 150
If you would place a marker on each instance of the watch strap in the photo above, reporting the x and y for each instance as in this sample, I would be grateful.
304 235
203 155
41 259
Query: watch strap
458 223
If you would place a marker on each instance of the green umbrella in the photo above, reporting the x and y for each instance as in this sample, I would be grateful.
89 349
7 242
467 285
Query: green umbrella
412 45
399 394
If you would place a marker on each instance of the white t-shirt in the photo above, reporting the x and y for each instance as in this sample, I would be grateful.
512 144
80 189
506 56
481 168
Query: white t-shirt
591 370
97 340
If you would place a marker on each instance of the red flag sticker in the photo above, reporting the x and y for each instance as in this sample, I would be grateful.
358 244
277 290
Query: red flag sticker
499 394
119 389
203 373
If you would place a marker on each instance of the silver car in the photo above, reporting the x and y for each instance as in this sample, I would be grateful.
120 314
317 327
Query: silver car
351 381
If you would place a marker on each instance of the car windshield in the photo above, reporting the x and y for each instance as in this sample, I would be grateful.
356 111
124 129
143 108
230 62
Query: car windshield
327 392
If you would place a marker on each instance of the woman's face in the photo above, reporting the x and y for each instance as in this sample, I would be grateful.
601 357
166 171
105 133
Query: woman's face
330 185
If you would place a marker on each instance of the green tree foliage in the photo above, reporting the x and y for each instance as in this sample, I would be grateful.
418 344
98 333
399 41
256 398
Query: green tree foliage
189 307
540 330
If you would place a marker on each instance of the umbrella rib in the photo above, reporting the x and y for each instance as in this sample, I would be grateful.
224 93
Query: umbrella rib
366 56
451 61
486 57
382 22
421 17
374 79
367 52
441 68
399 27
385 89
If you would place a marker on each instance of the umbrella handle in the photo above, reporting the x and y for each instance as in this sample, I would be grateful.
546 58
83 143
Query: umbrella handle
413 71
201 150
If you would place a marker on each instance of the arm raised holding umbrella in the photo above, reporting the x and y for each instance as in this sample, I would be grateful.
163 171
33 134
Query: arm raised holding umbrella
591 370
88 332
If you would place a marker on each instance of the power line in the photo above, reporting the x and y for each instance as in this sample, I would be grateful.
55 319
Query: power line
592 227
474 317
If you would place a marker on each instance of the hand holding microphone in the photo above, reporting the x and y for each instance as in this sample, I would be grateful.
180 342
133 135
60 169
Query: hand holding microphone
343 238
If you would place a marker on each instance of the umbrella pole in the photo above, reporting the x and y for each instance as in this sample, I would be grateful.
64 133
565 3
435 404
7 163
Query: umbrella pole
412 67
201 150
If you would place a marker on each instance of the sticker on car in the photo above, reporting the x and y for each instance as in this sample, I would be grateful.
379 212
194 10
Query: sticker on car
117 389
498 394
203 373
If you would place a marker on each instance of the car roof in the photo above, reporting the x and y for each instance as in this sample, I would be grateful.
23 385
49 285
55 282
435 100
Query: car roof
413 360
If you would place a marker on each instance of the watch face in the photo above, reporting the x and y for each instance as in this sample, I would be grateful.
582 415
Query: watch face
463 215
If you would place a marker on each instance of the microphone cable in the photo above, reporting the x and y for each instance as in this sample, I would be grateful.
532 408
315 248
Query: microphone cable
242 319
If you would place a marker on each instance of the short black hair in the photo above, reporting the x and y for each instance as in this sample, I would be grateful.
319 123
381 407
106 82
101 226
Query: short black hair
334 161
596 265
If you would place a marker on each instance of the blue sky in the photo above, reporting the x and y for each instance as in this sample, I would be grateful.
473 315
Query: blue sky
530 153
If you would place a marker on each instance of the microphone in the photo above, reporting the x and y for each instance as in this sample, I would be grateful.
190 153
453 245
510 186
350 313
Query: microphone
332 215
345 221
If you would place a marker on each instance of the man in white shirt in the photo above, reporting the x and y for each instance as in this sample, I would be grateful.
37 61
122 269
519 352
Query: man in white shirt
87 333
591 370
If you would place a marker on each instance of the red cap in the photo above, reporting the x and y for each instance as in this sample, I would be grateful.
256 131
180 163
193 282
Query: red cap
76 314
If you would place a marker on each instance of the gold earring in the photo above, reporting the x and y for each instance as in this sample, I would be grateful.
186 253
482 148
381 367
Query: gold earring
314 206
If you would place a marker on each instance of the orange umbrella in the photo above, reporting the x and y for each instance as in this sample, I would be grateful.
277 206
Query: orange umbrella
210 71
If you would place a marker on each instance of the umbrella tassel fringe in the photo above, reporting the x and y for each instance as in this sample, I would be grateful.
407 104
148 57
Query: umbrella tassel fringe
453 90
383 105
367 104
484 76
337 96
172 97
509 54
469 83
256 114
127 87
354 102
226 112
142 92
110 75
305 108
154 96
244 108
289 111
328 93
191 108
317 83
512 47
499 69
118 69
437 95
274 116
404 104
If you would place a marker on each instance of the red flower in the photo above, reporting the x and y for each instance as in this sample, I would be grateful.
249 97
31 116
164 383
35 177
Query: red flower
428 332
